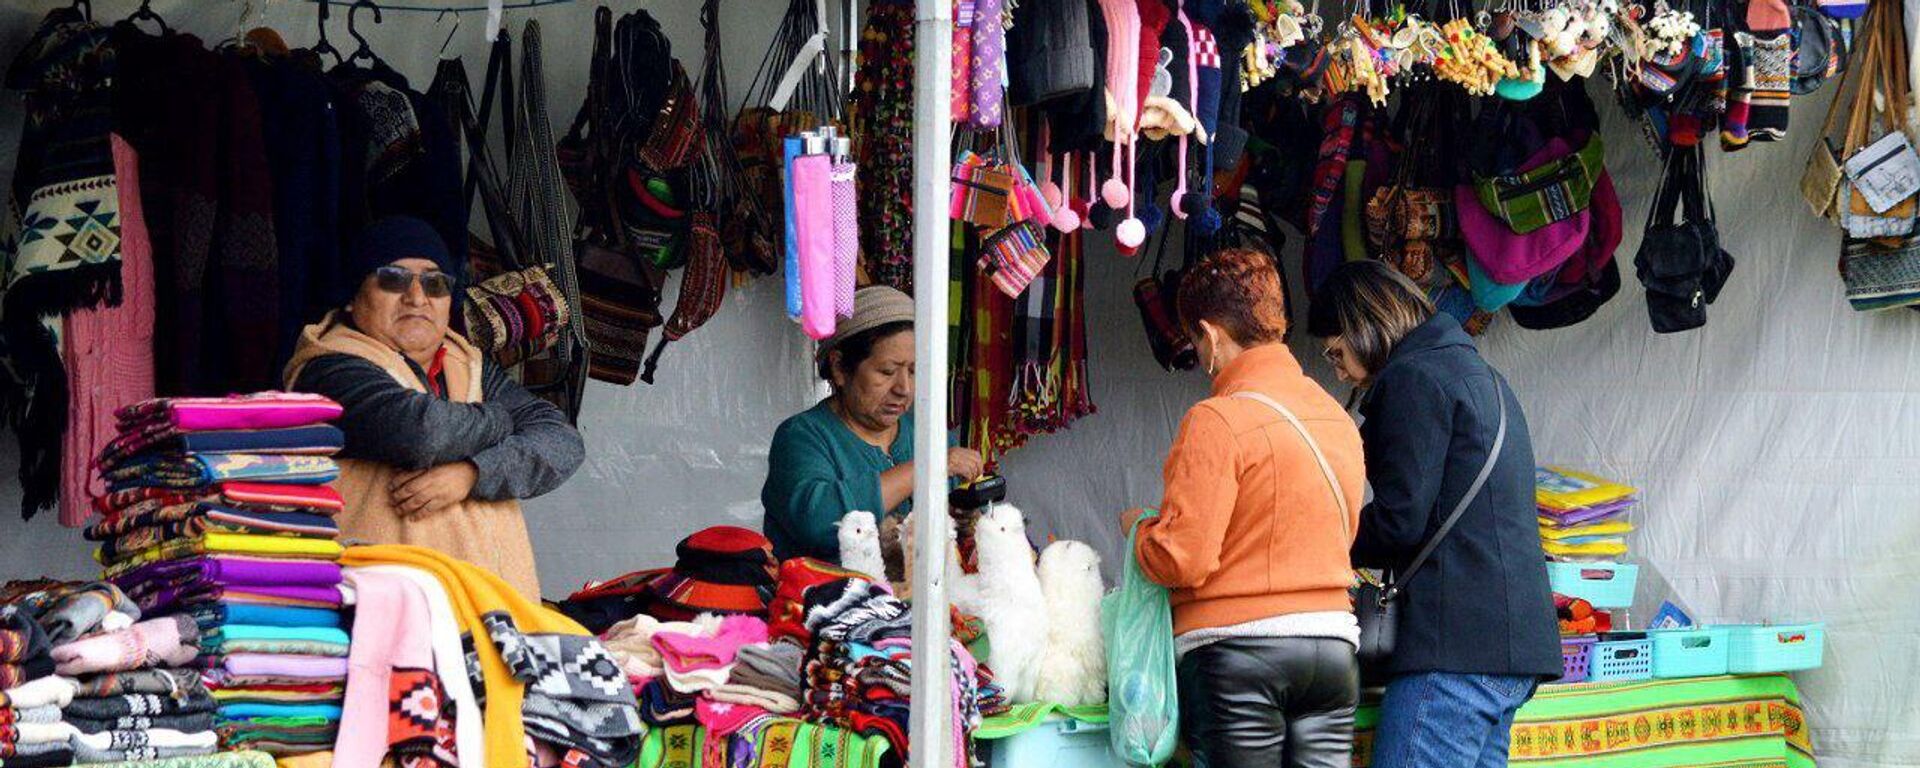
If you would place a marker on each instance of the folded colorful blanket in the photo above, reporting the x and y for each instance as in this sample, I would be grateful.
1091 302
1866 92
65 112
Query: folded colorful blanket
202 721
252 733
267 665
204 519
136 704
293 646
246 711
193 470
172 641
265 410
237 632
119 509
314 440
331 693
214 615
174 598
221 680
164 682
227 544
232 570
11 753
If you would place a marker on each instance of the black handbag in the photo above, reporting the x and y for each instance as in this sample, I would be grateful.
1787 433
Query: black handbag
1374 604
1681 263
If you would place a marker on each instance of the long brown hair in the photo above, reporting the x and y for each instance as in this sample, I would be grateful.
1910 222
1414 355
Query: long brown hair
1371 306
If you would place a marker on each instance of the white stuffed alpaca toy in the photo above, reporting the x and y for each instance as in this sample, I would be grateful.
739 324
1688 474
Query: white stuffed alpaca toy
961 588
859 537
1073 670
1010 602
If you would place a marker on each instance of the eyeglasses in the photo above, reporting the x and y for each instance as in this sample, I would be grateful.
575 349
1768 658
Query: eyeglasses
435 284
1334 355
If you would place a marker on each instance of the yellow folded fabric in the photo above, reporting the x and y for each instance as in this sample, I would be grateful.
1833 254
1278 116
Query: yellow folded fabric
1563 489
476 592
1609 548
1609 528
217 543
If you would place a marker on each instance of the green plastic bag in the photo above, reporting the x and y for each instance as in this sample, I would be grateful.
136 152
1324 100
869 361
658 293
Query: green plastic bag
1143 699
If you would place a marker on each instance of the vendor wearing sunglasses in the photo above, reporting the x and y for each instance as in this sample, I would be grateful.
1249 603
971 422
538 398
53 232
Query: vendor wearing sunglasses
441 443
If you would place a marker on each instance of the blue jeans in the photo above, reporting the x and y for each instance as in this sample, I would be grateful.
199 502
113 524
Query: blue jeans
1448 720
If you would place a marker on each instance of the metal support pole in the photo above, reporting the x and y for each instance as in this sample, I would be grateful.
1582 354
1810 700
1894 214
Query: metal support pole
931 725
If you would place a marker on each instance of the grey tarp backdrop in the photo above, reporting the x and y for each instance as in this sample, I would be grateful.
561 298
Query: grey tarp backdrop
1778 449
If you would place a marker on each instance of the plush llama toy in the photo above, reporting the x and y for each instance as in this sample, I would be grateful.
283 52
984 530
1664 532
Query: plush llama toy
860 546
1073 669
1009 601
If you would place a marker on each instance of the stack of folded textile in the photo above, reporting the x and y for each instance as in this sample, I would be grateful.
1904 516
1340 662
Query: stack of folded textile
30 734
135 696
1582 517
219 514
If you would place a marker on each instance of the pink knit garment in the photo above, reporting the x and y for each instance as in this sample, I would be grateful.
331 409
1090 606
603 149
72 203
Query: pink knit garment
390 631
108 351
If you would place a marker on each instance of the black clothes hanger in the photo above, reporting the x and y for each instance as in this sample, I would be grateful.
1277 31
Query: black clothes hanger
365 51
144 13
324 47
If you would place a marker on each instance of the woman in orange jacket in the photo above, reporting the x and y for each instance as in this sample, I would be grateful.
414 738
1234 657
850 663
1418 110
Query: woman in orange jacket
1263 487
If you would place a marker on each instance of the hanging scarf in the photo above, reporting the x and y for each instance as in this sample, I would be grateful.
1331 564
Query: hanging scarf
66 254
882 119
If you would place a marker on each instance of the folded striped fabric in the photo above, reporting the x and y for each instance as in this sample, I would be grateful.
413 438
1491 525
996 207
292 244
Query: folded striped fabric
213 543
316 439
246 711
264 410
242 638
193 470
215 614
207 519
118 507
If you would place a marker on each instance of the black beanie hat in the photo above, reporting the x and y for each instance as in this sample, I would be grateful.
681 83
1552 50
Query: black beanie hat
389 240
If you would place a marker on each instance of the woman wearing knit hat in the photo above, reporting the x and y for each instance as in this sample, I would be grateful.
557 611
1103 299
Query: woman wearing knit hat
854 450
441 444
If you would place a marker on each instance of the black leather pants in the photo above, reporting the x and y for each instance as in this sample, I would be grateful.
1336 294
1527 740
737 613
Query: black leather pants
1270 702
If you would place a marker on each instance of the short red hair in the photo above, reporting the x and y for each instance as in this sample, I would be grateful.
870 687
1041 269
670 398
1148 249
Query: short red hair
1239 291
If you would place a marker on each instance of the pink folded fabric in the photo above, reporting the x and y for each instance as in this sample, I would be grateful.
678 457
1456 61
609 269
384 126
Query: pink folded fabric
390 632
265 410
695 664
172 641
725 718
278 665
813 223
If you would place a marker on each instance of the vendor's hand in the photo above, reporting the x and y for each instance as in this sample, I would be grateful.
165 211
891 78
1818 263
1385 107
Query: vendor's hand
965 463
430 491
1131 517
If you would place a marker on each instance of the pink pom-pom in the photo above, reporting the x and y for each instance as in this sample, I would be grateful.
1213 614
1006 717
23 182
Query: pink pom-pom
1131 233
1050 192
1065 219
1114 192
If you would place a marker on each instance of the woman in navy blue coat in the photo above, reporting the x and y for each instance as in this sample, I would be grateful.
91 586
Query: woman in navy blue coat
1477 630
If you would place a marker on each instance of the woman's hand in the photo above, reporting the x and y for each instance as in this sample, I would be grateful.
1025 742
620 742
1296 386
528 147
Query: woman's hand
430 491
965 463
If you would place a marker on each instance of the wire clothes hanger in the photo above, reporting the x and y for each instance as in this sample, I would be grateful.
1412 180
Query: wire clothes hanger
84 8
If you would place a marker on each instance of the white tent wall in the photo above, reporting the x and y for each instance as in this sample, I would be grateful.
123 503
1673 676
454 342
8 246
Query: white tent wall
1778 449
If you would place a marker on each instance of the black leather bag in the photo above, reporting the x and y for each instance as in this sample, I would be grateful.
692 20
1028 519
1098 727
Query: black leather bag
1375 606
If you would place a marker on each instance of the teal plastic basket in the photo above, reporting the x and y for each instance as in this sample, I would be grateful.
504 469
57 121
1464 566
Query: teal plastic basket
1616 660
1693 652
1775 648
1605 585
1057 743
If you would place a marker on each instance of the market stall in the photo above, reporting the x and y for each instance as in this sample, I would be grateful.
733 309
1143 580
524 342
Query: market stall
695 438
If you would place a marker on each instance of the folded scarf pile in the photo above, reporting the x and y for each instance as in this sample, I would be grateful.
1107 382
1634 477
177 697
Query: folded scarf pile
220 517
171 641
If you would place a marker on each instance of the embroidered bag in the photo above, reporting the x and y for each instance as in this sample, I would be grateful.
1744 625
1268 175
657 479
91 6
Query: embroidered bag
1013 257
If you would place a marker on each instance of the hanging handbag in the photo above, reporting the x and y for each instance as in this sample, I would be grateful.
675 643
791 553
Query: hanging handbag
1681 263
520 311
1013 257
1820 181
1878 194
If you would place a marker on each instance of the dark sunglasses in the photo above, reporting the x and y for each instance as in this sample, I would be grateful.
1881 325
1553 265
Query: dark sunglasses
437 285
